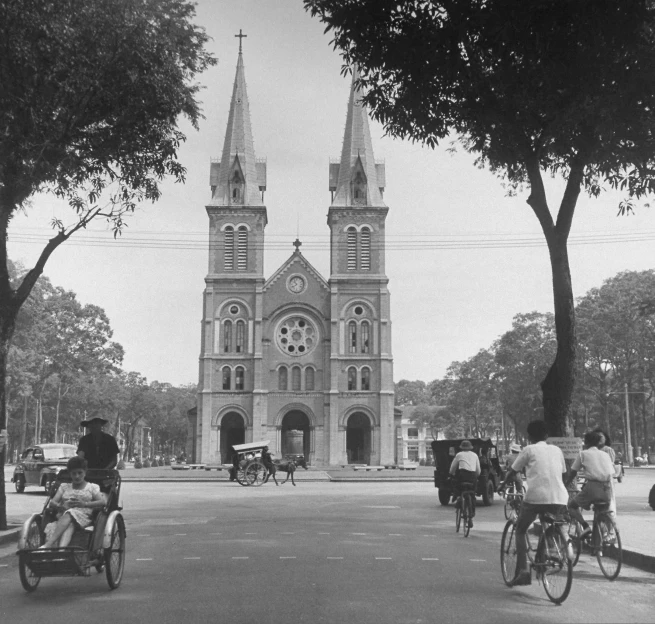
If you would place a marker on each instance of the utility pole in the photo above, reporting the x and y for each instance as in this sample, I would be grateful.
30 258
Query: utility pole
628 436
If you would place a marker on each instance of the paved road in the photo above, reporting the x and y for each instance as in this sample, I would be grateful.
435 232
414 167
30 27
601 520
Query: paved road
319 553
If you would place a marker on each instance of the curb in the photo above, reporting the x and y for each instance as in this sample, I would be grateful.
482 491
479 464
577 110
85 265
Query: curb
639 560
10 535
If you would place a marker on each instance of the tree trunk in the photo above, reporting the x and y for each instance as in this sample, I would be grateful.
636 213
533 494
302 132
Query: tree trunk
23 428
557 387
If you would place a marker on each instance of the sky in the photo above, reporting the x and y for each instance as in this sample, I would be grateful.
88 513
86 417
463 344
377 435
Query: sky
462 257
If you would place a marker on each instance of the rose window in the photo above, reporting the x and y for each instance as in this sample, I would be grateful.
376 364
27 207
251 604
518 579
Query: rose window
296 336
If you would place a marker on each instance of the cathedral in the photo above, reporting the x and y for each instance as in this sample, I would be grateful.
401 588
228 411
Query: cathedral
297 359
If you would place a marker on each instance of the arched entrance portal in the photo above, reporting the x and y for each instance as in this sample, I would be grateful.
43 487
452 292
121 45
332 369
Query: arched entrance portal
233 431
295 434
358 439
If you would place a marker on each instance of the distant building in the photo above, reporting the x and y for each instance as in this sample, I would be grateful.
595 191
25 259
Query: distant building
413 441
294 358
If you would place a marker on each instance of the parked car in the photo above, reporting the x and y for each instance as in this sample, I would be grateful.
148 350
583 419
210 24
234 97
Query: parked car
492 474
39 465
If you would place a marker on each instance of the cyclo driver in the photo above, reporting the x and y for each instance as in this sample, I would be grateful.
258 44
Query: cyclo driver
466 470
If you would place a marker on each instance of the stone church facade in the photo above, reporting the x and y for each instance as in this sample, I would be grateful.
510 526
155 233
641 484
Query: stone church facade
294 358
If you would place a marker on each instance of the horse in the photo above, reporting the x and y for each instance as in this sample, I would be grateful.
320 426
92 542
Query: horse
289 466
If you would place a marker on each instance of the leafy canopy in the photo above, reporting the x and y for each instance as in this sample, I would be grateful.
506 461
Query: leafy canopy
549 83
91 95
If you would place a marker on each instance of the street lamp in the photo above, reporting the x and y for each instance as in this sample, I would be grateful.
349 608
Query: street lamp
627 438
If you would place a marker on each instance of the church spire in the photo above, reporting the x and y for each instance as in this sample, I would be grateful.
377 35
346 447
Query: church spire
356 180
238 179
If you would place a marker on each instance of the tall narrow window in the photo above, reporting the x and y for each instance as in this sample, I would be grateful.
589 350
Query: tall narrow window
228 254
366 336
295 379
351 237
366 379
238 378
352 337
352 378
309 378
241 337
242 248
365 249
227 336
227 378
282 378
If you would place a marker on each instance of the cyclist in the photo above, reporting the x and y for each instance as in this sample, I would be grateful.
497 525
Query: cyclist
466 470
514 451
599 471
545 469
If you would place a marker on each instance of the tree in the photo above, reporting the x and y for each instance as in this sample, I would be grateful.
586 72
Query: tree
411 392
530 88
90 100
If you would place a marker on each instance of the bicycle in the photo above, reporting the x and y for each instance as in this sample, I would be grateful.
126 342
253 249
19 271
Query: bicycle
604 542
513 499
464 507
550 559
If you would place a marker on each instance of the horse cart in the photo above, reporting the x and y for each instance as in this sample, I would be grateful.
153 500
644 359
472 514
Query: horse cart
100 546
249 466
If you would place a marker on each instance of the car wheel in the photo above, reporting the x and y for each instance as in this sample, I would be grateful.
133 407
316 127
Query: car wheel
444 496
488 493
19 484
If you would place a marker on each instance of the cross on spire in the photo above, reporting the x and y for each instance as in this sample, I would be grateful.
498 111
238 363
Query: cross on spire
297 244
241 36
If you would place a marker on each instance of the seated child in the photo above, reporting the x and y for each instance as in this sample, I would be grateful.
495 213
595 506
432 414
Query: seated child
75 503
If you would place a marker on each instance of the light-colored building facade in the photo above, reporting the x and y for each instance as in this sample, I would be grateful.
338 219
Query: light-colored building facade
294 358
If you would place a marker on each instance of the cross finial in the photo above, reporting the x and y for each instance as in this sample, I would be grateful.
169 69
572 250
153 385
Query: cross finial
241 36
297 244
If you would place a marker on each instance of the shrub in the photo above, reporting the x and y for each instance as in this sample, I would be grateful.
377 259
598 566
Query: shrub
137 463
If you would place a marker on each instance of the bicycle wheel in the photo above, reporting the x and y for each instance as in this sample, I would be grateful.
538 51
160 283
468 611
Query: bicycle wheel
458 514
508 506
554 566
508 553
115 554
607 543
28 579
467 512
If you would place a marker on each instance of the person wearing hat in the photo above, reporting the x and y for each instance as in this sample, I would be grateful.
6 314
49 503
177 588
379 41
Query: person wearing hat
98 448
466 468
514 450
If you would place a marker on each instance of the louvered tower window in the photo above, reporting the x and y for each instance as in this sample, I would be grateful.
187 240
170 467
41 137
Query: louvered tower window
366 336
227 337
242 248
352 378
365 249
241 337
352 337
352 248
295 379
366 379
228 254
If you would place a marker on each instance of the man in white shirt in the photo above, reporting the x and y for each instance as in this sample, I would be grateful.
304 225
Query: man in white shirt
599 471
544 470
465 467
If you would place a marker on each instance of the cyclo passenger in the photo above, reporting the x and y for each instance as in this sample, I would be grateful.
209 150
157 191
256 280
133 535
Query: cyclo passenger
599 471
465 468
546 493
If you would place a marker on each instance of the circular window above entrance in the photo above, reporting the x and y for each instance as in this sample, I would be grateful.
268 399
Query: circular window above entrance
296 335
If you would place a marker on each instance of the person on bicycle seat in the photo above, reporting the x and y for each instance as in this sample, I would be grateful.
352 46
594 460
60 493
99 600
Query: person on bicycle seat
599 471
466 470
546 493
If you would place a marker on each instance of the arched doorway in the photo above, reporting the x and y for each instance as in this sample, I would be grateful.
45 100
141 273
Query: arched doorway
358 439
233 431
295 434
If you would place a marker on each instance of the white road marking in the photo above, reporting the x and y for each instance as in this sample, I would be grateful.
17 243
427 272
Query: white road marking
358 533
214 533
180 534
429 559
240 557
382 506
287 557
4 565
250 533
324 533
144 559
335 557
143 534
479 560
396 534
190 558
383 558
288 533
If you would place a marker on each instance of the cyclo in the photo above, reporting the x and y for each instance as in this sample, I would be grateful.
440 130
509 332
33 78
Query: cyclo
250 469
100 546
